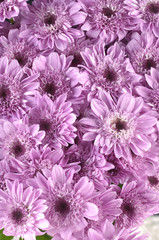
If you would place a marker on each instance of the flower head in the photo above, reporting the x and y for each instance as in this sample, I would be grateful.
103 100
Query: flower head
106 19
146 14
55 118
15 89
69 205
143 52
16 48
119 127
56 76
9 9
51 22
17 139
22 212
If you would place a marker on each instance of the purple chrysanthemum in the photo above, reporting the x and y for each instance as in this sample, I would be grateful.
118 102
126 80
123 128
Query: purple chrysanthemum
119 127
17 139
16 89
107 19
9 9
55 118
112 72
69 206
143 52
22 212
52 23
16 48
145 14
136 200
56 76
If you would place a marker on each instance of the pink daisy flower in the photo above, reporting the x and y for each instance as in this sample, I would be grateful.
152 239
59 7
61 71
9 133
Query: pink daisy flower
143 52
22 212
112 72
17 139
55 118
69 206
16 91
119 127
56 76
11 8
139 202
107 19
145 14
41 159
16 48
52 23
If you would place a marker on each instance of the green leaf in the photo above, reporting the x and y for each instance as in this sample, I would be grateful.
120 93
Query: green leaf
3 237
43 237
120 185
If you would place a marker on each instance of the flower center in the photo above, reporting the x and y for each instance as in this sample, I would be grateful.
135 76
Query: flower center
50 19
149 63
4 92
18 149
62 207
20 58
113 172
153 180
110 75
17 215
45 125
76 60
128 208
120 125
153 8
108 12
50 88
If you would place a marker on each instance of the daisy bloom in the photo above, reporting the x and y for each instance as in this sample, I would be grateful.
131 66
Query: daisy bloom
145 14
52 22
16 91
107 19
143 52
17 139
55 118
11 8
69 206
22 212
119 127
57 77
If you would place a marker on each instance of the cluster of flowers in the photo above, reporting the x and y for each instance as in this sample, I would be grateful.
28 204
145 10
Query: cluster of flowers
79 110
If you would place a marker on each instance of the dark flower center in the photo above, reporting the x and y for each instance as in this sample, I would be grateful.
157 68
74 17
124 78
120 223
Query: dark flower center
18 149
4 92
76 60
17 215
149 63
110 75
50 19
128 208
45 125
153 180
50 88
113 172
108 12
153 8
120 125
62 207
20 58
